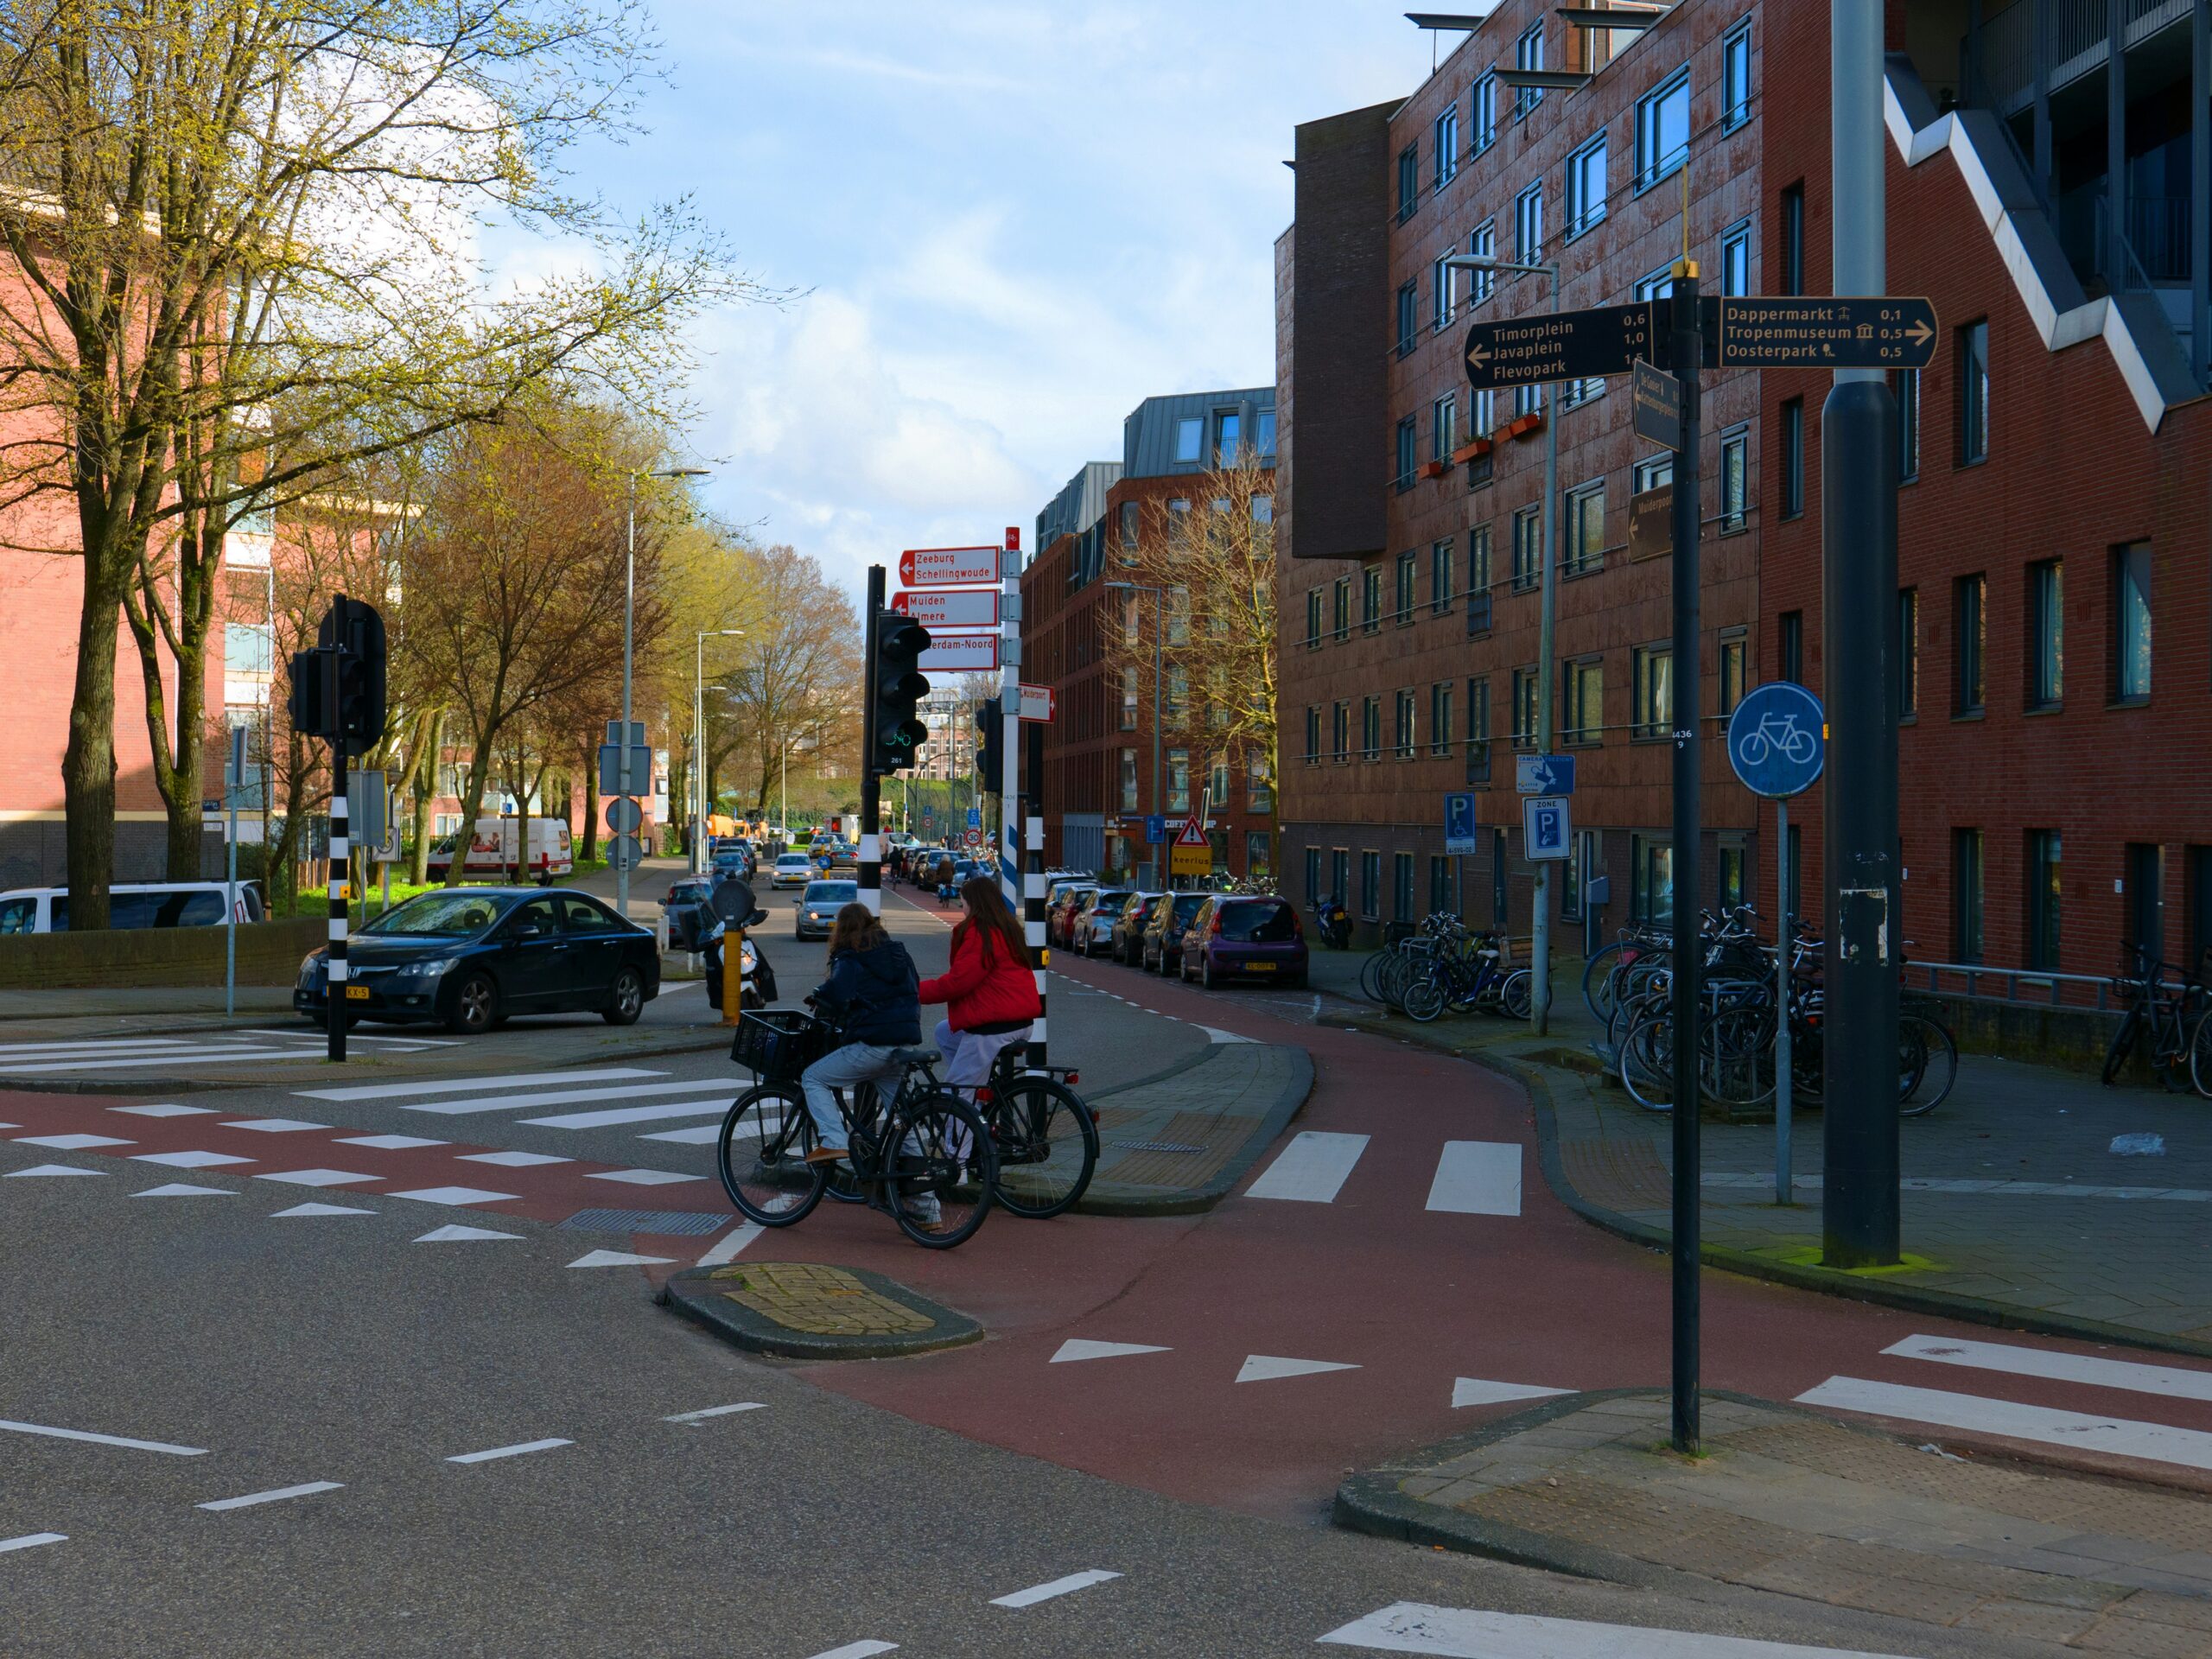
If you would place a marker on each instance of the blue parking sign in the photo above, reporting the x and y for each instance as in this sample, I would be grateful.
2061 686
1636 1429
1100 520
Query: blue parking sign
1545 831
1460 833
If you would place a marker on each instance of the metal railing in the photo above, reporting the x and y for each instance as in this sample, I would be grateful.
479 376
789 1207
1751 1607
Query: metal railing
2020 985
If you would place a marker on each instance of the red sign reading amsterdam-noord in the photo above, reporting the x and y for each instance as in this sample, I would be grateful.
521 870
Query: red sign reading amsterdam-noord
948 566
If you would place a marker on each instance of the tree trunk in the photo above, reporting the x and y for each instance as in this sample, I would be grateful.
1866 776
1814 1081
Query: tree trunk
426 786
189 769
472 803
591 807
88 764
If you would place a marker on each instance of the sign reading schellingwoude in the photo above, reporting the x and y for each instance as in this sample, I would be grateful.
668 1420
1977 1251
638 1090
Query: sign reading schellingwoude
1777 332
1559 345
948 566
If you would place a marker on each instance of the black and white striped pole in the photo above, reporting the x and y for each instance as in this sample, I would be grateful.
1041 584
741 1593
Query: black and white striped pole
341 863
871 853
1033 900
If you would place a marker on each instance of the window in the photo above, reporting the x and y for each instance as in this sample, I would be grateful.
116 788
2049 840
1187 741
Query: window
2046 634
1576 873
1735 477
1736 77
1789 647
1662 129
1736 257
1370 883
1179 780
1370 728
247 649
1447 143
1908 652
1370 599
1227 437
2146 886
1585 529
1189 435
1343 607
1403 455
1904 385
1656 286
1529 400
1178 522
1313 735
1314 616
1407 564
1651 472
1654 712
1443 428
1524 708
1401 887
1731 876
1340 875
1483 244
1440 718
1340 731
1584 690
1478 579
1478 731
1482 114
1314 888
1440 577
1793 239
1735 665
1177 700
1130 698
1651 896
1443 890
1264 432
1128 780
1402 724
2131 622
1408 316
1793 457
1586 186
1217 782
1408 182
1973 393
1969 622
1966 895
1528 549
2043 899
1529 223
1528 54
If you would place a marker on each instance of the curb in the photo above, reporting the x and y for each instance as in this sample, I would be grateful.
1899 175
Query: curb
692 1293
1943 1303
1195 1201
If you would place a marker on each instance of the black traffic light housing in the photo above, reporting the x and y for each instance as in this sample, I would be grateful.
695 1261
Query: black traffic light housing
313 703
990 723
338 689
899 687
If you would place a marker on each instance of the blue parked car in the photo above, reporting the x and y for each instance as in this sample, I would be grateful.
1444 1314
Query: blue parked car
470 957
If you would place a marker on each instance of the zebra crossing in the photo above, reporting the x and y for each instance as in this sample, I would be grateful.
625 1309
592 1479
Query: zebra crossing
605 1096
107 1056
1473 1177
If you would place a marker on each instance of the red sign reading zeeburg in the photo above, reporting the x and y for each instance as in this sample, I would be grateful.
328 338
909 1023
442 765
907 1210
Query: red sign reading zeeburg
948 566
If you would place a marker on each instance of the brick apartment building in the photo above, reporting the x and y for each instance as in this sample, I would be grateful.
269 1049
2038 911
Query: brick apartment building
1092 643
2054 454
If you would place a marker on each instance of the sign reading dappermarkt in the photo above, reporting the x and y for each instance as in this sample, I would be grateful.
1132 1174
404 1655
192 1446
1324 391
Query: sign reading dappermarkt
1881 332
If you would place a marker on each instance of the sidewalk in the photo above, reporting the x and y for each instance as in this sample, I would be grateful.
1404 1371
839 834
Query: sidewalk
2033 1559
2016 1210
1174 1144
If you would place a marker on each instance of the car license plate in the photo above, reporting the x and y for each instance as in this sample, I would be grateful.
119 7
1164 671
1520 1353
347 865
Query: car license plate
356 993
1259 967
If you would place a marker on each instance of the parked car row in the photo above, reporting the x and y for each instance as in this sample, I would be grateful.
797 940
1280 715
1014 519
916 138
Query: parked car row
1212 937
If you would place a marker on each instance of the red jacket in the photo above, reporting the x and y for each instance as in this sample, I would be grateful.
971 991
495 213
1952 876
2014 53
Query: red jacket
985 986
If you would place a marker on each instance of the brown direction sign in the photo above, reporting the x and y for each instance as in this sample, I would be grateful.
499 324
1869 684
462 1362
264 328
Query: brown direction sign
1658 398
1771 332
1559 345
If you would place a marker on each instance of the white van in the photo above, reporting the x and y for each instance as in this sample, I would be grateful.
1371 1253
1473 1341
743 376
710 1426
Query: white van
492 851
135 905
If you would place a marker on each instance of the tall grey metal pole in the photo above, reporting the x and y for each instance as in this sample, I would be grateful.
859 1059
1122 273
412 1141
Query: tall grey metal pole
1539 929
622 761
236 762
871 835
698 754
1784 1181
1159 778
1859 1221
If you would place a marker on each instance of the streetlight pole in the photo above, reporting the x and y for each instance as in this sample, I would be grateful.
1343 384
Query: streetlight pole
629 621
699 740
1157 878
1540 927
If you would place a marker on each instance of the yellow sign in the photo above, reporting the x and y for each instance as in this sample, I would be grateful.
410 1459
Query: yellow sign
1190 861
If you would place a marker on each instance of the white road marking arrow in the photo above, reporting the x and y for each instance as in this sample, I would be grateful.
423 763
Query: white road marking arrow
1265 1367
1077 1348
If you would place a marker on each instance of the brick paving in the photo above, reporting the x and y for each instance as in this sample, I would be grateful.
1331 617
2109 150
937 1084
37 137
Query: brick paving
819 1299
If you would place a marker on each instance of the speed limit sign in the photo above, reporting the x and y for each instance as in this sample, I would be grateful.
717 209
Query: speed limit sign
974 837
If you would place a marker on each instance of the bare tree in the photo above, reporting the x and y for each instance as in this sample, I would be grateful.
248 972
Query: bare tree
797 686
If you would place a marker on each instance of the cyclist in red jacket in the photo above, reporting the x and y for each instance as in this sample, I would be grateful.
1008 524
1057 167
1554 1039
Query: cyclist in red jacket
990 990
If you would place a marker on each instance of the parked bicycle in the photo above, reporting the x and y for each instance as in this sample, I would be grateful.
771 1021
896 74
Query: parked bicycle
2168 1012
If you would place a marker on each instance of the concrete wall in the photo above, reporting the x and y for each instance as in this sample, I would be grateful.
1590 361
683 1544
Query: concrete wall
269 954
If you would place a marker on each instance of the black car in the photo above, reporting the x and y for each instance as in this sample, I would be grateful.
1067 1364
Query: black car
468 957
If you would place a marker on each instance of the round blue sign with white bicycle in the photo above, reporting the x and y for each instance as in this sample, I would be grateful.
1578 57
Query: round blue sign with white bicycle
1777 739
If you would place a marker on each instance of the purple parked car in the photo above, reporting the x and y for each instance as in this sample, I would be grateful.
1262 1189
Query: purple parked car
1237 936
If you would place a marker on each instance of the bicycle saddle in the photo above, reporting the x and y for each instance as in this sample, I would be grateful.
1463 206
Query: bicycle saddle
914 1056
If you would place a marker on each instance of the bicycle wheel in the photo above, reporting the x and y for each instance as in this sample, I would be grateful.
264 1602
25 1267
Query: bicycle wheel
2200 1055
1939 1068
1047 1146
761 1153
940 1171
1513 996
1647 1062
1738 1063
1598 989
1423 999
1370 974
2122 1041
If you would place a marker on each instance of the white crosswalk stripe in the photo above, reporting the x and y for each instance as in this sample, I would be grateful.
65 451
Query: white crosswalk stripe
1478 1178
456 1086
567 1097
2188 1448
2170 1380
1473 1633
1312 1169
714 1108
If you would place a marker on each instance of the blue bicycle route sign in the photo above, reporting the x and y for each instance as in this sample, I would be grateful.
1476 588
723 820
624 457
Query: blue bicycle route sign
1777 739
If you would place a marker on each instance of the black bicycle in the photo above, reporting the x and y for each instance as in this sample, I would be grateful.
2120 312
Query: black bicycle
925 1155
1047 1133
2161 1011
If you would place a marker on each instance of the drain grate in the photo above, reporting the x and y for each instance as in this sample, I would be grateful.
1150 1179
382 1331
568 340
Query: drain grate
1155 1145
674 1223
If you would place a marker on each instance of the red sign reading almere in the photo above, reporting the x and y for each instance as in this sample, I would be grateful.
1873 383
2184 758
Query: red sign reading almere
951 607
948 566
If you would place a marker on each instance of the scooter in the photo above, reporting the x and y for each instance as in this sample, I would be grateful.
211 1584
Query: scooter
1332 922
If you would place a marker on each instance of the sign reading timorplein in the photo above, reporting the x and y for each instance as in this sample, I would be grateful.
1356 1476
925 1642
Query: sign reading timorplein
1546 346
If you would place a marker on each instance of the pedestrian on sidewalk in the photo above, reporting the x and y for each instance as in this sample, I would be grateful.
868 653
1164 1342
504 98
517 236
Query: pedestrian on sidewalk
990 990
870 998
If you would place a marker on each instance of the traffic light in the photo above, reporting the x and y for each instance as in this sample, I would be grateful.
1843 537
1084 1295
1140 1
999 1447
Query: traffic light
312 703
990 723
356 714
899 687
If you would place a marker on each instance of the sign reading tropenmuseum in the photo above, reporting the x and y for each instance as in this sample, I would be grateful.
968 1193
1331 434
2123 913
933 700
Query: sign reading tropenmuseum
1559 345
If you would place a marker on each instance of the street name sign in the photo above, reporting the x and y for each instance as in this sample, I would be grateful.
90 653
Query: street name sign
1777 739
948 566
1651 522
1037 704
1559 345
951 607
960 653
1657 396
1545 830
1871 332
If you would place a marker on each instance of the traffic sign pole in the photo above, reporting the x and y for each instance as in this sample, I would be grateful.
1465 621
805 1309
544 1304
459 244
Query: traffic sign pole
1010 713
1540 926
871 853
1686 356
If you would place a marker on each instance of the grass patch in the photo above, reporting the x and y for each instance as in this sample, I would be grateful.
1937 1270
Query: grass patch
1808 1256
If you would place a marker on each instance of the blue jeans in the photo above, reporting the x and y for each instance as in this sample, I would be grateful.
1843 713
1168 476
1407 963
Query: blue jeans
841 1068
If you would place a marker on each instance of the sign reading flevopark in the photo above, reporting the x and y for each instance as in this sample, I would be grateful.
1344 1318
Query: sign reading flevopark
1559 345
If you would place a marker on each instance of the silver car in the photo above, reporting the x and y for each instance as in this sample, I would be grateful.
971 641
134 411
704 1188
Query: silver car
817 907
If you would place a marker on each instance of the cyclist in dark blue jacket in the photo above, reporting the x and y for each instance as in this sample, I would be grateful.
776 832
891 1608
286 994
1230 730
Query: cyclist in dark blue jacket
872 997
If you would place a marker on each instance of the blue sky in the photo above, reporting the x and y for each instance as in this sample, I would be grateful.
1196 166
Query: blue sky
1012 222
